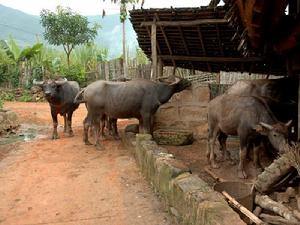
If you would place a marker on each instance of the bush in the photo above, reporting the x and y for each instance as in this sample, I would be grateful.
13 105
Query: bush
75 73
1 103
26 97
7 96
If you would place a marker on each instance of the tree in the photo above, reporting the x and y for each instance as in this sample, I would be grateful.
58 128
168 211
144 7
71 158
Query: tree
66 28
123 17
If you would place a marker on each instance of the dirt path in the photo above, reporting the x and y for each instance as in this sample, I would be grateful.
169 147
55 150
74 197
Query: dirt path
66 182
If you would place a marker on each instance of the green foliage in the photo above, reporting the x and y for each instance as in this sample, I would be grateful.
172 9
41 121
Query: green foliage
74 72
26 97
89 55
1 103
141 57
7 96
66 28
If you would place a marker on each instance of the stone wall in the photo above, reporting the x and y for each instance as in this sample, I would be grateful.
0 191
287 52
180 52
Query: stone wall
187 197
186 110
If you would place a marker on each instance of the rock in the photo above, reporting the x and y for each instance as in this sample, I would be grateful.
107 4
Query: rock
173 137
35 89
8 121
291 192
133 128
282 197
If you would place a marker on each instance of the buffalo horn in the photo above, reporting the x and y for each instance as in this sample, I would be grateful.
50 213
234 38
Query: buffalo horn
268 126
288 123
177 80
38 83
61 82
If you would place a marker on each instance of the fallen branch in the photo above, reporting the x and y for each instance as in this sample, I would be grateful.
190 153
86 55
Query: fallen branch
266 202
278 220
242 209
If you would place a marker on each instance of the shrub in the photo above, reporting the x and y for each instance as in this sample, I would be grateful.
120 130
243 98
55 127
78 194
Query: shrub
8 96
26 97
74 72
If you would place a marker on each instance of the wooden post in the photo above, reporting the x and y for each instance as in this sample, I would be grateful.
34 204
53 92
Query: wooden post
106 70
154 50
298 108
160 68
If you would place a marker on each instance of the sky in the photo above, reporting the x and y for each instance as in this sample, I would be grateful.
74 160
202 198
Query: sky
92 7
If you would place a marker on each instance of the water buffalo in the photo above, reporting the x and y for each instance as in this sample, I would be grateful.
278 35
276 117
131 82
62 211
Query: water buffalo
249 117
139 98
60 94
281 95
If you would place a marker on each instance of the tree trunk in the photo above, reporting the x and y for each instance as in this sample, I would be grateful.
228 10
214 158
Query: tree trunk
266 202
124 51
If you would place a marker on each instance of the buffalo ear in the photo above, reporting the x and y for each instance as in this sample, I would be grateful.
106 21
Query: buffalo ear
260 129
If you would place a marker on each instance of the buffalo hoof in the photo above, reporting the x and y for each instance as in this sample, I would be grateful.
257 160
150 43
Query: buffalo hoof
214 165
232 162
87 143
242 174
55 136
71 134
99 147
117 137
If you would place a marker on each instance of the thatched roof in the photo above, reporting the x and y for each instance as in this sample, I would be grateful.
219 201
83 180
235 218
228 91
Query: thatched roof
200 39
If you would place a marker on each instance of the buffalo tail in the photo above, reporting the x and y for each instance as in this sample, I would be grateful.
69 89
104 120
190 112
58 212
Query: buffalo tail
79 98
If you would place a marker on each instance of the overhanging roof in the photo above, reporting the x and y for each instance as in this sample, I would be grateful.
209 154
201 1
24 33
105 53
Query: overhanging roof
199 38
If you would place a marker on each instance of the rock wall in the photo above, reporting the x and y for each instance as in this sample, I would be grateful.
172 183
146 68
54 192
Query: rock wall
185 110
186 196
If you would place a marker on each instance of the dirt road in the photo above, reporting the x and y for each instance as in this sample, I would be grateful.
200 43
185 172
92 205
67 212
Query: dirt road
66 182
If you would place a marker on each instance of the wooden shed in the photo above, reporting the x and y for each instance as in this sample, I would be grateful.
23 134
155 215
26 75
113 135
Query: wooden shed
198 39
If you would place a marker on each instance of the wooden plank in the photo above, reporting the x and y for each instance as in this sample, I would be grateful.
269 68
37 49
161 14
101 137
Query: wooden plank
185 23
211 59
242 209
154 51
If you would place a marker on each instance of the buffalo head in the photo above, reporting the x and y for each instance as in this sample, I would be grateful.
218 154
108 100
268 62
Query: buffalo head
50 87
276 133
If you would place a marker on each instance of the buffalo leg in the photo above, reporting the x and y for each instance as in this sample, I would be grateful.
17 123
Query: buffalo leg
243 155
225 153
212 136
114 128
256 159
102 124
65 123
146 123
55 123
69 124
86 127
96 123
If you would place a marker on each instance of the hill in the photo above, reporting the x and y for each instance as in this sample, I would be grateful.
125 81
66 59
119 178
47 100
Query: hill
26 30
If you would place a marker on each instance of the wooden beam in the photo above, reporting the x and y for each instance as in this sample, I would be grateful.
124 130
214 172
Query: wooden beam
185 23
185 46
166 40
203 46
211 59
153 50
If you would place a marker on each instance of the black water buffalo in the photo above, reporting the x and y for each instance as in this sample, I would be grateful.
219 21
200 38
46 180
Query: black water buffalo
249 117
139 98
60 94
